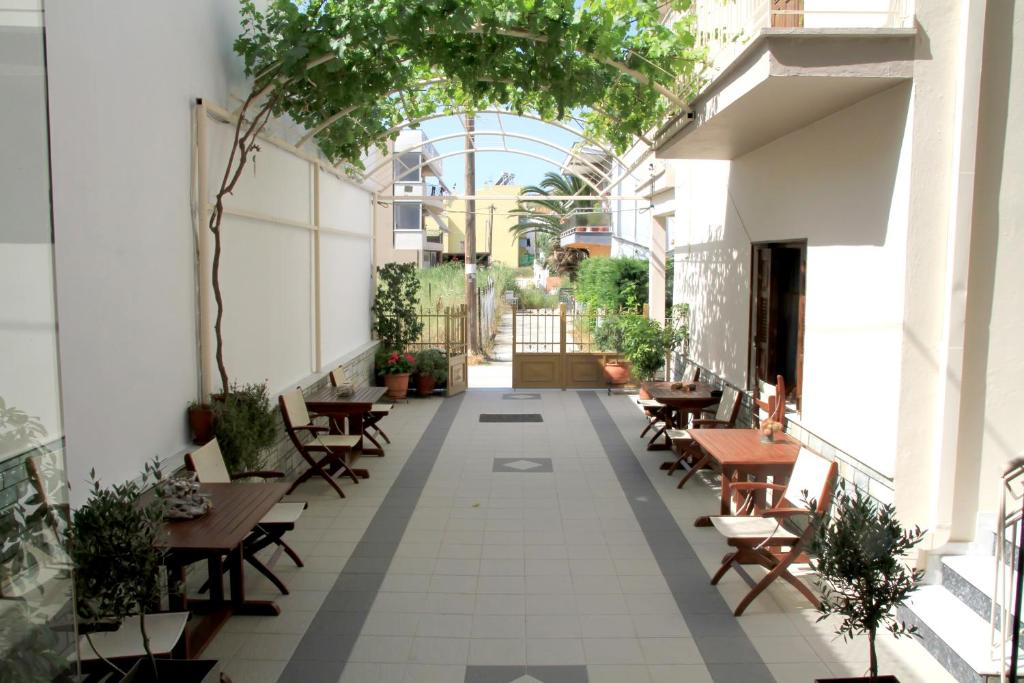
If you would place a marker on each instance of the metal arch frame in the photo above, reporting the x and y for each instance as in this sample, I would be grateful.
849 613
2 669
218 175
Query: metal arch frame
597 191
381 163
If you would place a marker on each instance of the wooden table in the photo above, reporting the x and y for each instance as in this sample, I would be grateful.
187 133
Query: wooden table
681 401
740 454
348 409
219 534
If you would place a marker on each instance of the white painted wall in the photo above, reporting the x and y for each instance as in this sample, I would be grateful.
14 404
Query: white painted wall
842 184
123 79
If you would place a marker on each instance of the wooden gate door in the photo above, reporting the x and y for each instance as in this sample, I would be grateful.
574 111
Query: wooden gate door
455 349
553 349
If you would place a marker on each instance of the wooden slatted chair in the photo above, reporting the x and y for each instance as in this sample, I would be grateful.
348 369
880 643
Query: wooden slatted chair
325 453
771 401
371 420
208 464
774 539
689 454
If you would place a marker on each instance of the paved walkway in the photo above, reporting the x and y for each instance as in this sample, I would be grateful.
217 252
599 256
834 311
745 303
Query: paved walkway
550 551
497 371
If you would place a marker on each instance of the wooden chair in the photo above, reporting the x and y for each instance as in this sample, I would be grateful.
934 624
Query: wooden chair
691 372
325 453
771 401
208 464
762 538
683 444
372 418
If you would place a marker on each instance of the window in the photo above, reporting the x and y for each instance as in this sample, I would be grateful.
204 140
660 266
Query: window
407 167
408 216
777 294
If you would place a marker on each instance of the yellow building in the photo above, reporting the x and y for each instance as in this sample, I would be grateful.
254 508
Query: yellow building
494 242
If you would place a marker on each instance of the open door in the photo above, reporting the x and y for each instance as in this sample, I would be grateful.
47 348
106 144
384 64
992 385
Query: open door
777 314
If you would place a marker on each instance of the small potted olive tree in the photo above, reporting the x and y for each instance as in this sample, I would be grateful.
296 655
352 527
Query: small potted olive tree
244 425
113 543
862 574
609 336
431 370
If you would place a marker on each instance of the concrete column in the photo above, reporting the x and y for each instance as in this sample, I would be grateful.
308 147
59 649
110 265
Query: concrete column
656 269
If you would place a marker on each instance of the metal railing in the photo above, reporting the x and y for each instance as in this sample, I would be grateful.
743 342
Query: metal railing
726 28
1009 579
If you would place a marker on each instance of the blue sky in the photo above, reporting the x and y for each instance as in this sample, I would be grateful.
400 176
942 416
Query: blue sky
490 165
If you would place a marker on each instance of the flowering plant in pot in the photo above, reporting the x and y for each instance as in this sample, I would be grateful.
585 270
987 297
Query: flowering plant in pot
396 369
432 369
862 575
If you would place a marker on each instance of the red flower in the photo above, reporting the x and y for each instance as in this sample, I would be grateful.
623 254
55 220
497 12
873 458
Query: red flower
409 358
393 357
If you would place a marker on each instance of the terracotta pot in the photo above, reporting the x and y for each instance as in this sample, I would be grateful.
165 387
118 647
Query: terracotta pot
425 384
859 679
644 393
200 421
397 384
616 372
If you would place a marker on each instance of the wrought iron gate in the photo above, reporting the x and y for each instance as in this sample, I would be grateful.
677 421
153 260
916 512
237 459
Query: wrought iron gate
554 349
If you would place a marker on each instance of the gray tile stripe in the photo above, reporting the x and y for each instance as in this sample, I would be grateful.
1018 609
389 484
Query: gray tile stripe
327 644
727 651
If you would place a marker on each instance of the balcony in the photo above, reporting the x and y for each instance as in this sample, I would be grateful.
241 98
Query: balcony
433 195
591 232
779 65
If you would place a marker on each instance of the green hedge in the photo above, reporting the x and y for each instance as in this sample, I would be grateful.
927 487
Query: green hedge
612 283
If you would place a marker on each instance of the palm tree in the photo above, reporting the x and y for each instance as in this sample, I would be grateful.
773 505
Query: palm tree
549 217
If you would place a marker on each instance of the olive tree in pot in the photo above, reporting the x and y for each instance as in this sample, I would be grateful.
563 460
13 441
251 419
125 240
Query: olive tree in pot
432 369
862 574
644 346
609 336
244 426
113 544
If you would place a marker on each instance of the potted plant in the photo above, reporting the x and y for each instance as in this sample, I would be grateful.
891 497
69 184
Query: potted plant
609 336
395 309
113 544
396 369
244 426
200 422
432 369
862 575
644 346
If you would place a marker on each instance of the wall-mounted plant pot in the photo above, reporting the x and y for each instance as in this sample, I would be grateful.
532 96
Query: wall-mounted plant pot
200 422
616 372
177 670
858 679
425 384
397 384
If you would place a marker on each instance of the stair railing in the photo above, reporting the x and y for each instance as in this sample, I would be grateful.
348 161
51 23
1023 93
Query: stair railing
1005 614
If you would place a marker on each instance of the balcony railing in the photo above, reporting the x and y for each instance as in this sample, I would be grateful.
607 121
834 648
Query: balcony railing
726 28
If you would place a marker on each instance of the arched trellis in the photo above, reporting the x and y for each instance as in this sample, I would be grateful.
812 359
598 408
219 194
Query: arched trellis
558 54
487 133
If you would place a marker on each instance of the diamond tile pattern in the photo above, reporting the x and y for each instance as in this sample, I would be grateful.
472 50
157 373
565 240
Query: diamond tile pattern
523 465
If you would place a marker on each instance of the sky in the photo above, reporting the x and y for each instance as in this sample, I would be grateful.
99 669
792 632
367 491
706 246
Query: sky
491 165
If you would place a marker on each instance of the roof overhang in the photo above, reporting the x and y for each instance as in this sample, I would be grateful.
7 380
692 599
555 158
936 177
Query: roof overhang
784 80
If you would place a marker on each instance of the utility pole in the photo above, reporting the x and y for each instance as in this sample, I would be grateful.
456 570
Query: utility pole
472 332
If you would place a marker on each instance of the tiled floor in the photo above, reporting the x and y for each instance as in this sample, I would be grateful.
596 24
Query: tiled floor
460 561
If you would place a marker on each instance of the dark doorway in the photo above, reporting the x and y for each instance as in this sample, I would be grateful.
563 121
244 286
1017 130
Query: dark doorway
777 314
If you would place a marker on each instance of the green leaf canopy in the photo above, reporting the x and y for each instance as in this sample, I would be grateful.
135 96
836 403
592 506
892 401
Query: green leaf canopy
355 70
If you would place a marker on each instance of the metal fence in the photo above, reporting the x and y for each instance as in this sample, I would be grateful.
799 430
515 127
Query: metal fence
487 314
443 329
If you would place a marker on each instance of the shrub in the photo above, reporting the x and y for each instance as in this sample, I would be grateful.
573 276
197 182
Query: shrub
395 306
244 426
535 297
613 284
643 345
434 363
610 334
397 363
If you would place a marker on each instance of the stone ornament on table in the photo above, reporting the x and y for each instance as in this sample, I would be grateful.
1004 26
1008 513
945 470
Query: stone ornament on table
183 498
345 389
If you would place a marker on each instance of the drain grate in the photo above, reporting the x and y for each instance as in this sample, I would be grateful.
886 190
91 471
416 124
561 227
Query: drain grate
518 417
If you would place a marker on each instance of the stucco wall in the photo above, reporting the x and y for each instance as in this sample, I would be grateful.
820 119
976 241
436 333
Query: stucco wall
841 184
123 80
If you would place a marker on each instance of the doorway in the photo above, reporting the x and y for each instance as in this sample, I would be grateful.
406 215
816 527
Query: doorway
778 292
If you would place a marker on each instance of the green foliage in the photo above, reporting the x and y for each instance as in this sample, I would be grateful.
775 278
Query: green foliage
535 297
861 571
244 426
376 64
433 362
445 285
32 652
613 284
643 344
395 306
114 545
610 334
397 363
